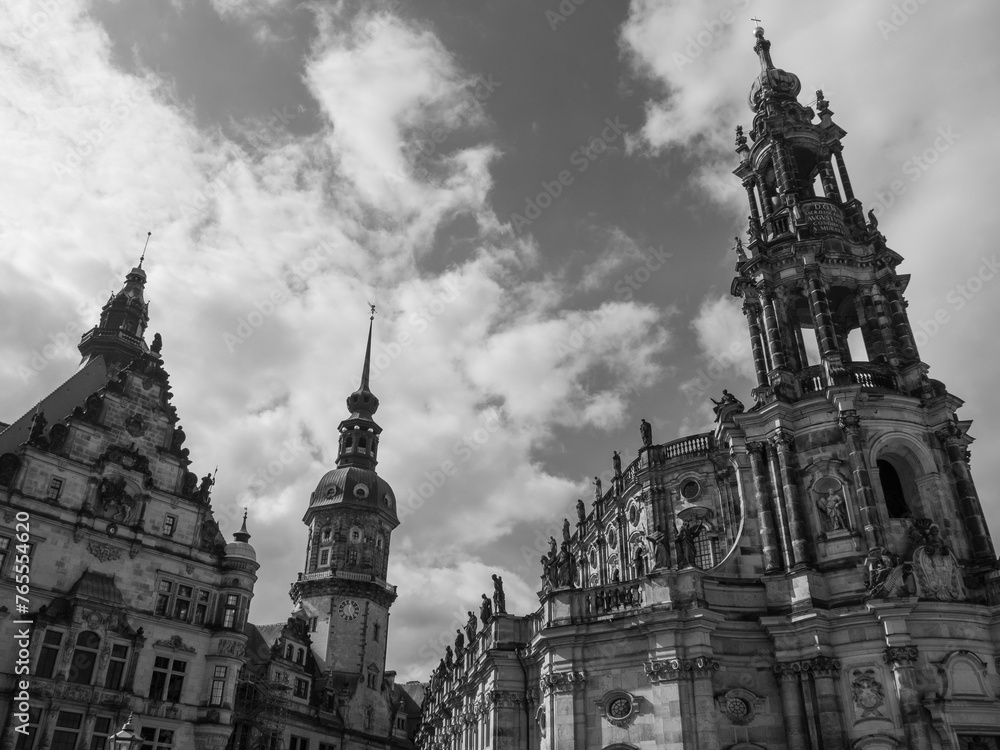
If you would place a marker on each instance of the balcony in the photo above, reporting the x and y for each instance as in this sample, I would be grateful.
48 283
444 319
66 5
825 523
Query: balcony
875 377
582 605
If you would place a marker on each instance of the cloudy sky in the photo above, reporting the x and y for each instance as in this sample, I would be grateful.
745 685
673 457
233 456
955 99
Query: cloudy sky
536 194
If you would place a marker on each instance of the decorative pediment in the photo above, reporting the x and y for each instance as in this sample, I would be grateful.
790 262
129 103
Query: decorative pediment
174 643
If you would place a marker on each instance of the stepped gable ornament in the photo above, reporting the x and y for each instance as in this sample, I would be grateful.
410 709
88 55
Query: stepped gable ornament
91 410
867 693
36 435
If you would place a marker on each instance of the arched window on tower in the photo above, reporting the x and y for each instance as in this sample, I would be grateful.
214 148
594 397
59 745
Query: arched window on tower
362 444
892 490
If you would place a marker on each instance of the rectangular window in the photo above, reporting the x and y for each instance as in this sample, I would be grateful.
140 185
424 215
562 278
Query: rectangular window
182 602
301 688
376 631
55 488
169 525
229 611
116 667
102 728
218 686
167 680
324 557
67 731
27 741
156 739
4 551
165 589
50 653
201 608
298 743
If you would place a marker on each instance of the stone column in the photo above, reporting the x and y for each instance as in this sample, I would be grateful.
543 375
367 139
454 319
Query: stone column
901 324
968 499
885 326
765 518
752 312
831 724
780 508
787 181
668 727
830 189
902 659
774 347
822 320
752 197
868 320
765 199
871 521
703 697
796 524
845 180
792 708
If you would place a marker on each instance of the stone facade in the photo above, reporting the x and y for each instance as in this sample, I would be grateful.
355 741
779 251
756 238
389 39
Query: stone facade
135 603
816 572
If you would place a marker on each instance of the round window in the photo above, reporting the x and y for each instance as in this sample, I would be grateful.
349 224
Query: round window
612 539
690 489
633 515
620 708
737 708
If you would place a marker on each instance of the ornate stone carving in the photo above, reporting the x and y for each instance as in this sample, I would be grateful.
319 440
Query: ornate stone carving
104 552
136 425
671 669
231 648
821 665
883 574
562 682
174 643
867 693
935 569
900 655
128 458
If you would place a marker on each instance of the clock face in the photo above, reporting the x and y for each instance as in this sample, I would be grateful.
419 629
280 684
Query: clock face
349 609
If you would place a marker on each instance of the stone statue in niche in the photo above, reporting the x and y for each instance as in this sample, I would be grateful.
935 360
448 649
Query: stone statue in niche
111 491
831 506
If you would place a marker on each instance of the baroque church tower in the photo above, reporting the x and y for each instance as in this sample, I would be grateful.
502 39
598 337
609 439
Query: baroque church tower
342 590
813 573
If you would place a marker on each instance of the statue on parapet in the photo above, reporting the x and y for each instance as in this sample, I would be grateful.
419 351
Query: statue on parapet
37 434
565 530
581 512
616 461
646 432
723 404
499 597
598 491
470 627
687 551
459 642
486 611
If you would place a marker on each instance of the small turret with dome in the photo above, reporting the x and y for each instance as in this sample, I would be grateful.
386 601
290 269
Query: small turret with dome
118 337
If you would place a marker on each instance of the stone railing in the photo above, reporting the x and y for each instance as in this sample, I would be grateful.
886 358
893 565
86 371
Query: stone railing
692 445
576 605
814 379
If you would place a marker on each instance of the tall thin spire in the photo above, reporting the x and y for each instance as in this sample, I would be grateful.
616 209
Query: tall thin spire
143 256
366 370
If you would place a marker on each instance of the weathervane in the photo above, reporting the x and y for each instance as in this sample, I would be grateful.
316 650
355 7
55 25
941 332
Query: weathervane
372 306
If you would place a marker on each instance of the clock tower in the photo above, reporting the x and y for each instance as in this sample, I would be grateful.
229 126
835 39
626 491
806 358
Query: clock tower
342 590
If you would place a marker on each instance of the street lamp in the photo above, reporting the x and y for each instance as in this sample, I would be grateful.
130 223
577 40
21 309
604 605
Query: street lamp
125 738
